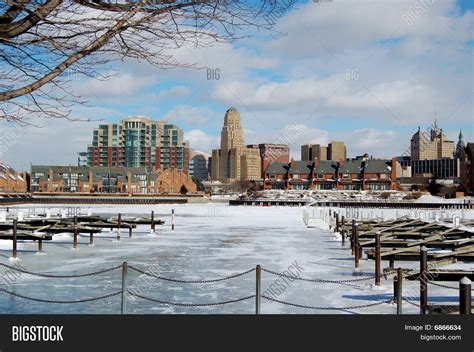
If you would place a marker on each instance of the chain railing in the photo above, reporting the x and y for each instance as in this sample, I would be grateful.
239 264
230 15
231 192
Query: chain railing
71 276
180 304
191 281
125 292
42 300
443 286
317 280
327 308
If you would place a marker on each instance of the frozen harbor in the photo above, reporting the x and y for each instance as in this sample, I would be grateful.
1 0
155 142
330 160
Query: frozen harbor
210 241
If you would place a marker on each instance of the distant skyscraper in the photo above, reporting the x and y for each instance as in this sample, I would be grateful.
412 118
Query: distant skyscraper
320 152
336 151
233 161
198 165
434 145
139 142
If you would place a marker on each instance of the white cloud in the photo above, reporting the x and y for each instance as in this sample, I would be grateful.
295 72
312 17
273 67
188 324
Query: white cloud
200 140
189 114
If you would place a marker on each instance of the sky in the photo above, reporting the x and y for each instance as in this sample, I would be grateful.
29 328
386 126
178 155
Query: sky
364 72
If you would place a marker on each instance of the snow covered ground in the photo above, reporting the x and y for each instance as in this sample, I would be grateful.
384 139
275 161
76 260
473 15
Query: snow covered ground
210 241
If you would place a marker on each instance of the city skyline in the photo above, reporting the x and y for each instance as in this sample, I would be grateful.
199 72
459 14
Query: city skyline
370 90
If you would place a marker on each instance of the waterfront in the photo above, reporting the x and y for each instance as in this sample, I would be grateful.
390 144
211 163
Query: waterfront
210 241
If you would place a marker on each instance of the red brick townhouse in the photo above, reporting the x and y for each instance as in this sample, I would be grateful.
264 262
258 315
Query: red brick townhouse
358 174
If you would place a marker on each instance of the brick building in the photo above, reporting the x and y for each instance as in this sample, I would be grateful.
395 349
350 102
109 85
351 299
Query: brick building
362 174
12 181
77 179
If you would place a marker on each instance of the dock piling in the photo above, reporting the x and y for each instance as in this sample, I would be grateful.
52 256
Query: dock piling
352 236
378 259
119 224
91 238
153 221
343 231
465 305
14 254
356 245
74 243
172 219
423 279
40 246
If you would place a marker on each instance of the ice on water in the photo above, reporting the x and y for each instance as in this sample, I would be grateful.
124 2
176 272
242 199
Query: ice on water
210 241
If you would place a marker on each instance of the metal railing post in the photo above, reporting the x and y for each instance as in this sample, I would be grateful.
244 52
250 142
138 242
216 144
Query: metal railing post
399 290
124 287
258 288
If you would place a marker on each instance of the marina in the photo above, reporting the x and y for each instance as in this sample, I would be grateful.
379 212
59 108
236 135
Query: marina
208 263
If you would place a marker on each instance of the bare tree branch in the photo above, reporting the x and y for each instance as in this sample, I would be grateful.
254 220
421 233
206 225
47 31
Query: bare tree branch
43 43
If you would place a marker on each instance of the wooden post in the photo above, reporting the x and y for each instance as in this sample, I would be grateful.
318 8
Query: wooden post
343 231
423 279
258 288
91 238
399 296
356 245
14 237
336 229
40 246
124 287
392 263
172 219
130 232
74 243
378 259
352 235
153 221
119 224
465 305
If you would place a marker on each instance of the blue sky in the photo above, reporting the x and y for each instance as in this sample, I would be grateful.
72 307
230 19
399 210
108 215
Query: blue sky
364 72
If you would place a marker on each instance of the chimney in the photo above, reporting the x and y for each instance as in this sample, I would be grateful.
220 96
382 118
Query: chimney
91 182
292 163
129 182
265 166
341 162
51 181
315 165
393 174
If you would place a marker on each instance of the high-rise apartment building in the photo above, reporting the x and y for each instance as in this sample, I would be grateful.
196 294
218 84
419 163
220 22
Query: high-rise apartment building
233 161
431 145
139 142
